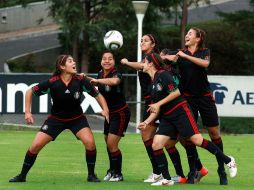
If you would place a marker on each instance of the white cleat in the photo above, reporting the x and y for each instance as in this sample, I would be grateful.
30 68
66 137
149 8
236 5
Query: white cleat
163 182
232 168
108 176
153 178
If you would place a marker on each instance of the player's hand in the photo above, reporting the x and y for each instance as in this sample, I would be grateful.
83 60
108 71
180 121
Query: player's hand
181 54
153 108
94 81
105 114
83 74
124 61
142 125
29 118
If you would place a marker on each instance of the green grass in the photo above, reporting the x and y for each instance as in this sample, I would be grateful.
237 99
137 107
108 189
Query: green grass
61 165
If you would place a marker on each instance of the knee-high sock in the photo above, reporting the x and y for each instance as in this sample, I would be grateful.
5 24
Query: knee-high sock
208 145
149 150
116 159
162 163
110 160
191 152
28 163
90 160
176 160
218 142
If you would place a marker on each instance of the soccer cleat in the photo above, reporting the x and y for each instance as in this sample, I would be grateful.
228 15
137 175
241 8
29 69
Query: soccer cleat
116 177
223 178
108 175
199 174
18 178
190 178
153 178
93 178
179 179
232 168
163 182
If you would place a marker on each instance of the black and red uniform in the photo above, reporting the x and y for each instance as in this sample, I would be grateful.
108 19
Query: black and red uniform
175 116
196 88
145 84
66 111
119 113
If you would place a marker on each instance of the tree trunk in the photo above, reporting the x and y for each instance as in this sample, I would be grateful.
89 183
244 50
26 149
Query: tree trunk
85 53
184 21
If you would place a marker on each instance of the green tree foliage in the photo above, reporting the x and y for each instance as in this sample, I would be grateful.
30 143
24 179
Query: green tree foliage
238 38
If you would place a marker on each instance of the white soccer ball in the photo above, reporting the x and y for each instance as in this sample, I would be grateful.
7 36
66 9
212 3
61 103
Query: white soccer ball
113 40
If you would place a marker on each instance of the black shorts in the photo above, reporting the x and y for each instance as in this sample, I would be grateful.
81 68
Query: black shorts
53 127
118 122
205 106
180 123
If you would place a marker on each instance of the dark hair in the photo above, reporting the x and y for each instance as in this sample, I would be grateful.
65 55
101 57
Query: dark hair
200 34
154 41
108 51
60 61
156 59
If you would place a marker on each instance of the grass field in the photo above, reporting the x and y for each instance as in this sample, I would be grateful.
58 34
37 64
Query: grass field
61 165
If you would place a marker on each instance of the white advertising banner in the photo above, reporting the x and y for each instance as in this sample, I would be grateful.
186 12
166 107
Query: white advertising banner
234 95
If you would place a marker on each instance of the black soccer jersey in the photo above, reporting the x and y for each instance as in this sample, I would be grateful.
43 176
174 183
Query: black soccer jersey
193 77
162 85
66 99
113 94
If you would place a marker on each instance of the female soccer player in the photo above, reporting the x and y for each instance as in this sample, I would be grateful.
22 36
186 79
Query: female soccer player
109 82
193 62
148 44
175 118
65 88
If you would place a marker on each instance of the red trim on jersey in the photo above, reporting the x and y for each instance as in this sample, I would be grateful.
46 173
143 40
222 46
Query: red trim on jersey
122 121
120 109
207 94
54 78
65 120
191 118
176 106
147 97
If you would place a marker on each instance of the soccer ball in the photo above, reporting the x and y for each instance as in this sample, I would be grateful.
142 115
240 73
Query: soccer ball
113 40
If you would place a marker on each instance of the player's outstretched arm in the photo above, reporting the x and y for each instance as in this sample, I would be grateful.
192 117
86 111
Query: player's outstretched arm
28 103
134 65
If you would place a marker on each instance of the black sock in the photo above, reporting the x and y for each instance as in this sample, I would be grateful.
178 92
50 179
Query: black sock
90 161
162 163
110 160
28 163
191 152
116 161
149 150
175 158
208 145
218 142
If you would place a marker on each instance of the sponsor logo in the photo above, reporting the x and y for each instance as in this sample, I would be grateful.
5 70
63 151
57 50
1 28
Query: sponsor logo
76 95
44 127
218 92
